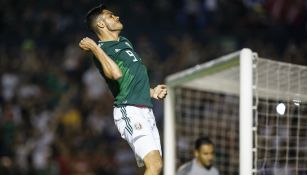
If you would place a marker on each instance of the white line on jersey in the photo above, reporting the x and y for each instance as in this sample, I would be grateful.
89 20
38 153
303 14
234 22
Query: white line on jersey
128 44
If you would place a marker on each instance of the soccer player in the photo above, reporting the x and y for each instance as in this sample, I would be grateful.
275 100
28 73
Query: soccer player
202 164
128 81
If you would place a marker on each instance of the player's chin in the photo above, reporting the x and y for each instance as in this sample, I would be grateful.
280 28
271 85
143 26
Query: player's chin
121 27
118 26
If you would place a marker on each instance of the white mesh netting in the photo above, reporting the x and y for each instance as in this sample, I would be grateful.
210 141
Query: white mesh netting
209 106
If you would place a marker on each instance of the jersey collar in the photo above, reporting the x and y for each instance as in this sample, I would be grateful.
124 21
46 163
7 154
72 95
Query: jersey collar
111 41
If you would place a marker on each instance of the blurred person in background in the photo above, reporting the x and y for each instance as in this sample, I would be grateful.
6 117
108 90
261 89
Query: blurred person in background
128 81
202 164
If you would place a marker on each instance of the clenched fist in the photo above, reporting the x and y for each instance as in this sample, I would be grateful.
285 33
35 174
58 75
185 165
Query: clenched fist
159 92
87 44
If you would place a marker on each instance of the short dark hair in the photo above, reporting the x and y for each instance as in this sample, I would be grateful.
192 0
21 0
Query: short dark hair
202 141
92 16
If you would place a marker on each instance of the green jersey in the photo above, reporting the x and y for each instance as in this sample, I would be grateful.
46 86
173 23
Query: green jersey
133 87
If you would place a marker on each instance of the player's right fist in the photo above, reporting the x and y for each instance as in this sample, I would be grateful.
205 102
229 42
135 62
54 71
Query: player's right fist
87 44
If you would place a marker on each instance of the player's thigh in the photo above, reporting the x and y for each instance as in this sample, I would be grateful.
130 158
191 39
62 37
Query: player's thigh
153 158
144 144
154 129
135 129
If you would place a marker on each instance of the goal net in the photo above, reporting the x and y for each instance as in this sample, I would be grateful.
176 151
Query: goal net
253 109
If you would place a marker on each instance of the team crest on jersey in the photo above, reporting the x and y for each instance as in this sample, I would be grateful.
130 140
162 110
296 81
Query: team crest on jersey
138 126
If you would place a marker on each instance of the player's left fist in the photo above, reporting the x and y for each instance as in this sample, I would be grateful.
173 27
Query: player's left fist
160 92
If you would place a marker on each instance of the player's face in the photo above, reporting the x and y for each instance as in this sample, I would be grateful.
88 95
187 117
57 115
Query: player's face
205 155
111 21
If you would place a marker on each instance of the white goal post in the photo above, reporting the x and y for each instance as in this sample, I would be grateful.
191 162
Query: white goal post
254 85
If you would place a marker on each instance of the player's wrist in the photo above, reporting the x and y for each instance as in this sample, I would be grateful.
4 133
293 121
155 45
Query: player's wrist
151 92
94 48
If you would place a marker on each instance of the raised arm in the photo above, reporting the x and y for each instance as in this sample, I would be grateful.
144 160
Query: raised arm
110 68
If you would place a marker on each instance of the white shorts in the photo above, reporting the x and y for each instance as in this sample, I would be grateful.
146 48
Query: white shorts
137 126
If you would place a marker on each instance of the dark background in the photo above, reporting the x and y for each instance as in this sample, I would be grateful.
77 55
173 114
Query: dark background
56 112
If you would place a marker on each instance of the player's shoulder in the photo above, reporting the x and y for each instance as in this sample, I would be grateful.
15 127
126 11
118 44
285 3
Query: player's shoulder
185 168
126 41
215 171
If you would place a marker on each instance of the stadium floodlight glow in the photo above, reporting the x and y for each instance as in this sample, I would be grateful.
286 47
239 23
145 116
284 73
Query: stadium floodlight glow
281 108
296 102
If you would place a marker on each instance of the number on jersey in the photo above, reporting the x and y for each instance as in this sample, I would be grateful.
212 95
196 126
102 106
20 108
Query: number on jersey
132 55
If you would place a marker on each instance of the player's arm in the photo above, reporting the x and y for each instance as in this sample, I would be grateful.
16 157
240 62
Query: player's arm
159 92
110 68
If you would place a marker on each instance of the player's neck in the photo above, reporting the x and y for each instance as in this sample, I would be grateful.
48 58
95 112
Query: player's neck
110 36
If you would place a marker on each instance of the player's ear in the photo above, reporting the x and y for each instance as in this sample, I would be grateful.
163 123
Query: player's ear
196 154
100 24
